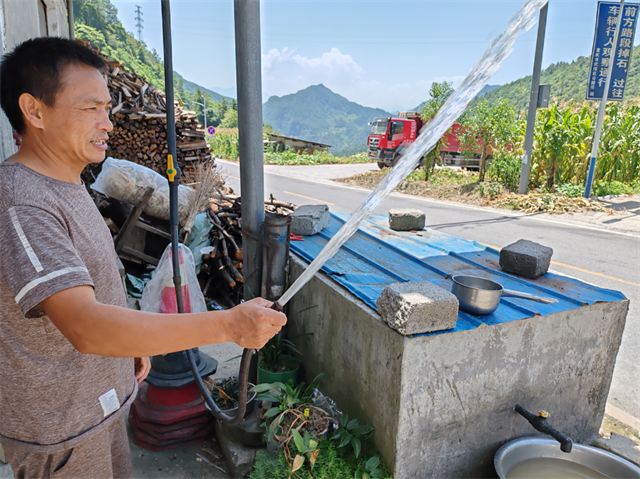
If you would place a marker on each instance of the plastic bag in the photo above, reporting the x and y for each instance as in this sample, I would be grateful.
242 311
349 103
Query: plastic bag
159 296
199 238
127 181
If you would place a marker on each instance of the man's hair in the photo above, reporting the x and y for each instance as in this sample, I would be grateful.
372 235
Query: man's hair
35 67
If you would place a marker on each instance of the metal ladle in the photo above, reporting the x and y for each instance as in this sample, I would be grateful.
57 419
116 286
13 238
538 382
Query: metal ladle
481 296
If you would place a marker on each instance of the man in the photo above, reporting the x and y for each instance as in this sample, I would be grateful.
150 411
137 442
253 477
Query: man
66 337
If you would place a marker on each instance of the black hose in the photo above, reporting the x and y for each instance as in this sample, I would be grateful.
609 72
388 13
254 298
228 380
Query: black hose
173 174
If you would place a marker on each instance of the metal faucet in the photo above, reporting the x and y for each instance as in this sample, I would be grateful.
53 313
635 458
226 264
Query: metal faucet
539 422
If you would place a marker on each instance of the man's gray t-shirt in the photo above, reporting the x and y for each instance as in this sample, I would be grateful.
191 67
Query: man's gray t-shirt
52 238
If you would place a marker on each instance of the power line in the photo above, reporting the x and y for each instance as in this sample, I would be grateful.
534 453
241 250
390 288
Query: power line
139 22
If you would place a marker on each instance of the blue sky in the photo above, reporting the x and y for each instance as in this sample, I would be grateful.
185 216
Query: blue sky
381 54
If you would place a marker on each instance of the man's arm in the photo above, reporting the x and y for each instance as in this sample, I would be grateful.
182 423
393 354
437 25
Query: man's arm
95 328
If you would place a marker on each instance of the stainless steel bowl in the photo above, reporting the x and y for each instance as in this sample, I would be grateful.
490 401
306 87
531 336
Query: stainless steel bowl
525 448
476 295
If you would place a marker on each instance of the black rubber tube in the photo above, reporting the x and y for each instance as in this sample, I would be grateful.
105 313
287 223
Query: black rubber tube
243 375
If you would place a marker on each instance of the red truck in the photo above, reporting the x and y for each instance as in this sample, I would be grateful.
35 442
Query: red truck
389 134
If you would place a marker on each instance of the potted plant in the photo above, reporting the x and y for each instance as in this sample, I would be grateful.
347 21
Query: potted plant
278 365
290 407
225 394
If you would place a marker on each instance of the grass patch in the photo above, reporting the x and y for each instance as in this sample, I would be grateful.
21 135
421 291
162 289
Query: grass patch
290 157
332 463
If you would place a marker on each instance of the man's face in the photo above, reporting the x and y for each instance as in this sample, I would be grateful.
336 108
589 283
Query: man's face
76 127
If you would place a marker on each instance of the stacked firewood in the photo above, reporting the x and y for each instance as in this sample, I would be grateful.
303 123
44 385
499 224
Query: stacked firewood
140 123
221 272
222 268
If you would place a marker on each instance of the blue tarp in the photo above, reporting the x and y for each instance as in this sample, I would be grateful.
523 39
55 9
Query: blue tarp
377 256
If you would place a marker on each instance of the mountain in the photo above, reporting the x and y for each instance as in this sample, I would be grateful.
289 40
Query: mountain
96 21
192 87
318 114
568 83
485 90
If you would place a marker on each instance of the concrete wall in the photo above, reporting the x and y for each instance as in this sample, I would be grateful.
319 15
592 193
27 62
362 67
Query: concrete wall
442 405
360 355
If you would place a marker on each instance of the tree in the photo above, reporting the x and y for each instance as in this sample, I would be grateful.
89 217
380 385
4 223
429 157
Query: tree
230 119
487 127
438 94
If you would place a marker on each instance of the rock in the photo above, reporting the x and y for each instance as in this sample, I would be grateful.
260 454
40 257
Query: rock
406 219
526 258
239 458
308 220
248 432
414 308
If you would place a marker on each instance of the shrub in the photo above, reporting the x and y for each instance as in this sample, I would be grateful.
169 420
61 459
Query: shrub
505 169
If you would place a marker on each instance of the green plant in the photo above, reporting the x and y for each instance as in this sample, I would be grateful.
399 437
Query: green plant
306 445
480 189
369 470
276 354
605 188
224 392
331 463
224 145
494 189
490 127
351 433
505 169
570 189
286 396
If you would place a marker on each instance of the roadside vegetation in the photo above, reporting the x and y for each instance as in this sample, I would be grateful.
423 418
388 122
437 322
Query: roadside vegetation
561 153
224 144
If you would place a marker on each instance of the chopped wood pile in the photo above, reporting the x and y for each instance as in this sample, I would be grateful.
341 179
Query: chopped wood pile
140 124
221 271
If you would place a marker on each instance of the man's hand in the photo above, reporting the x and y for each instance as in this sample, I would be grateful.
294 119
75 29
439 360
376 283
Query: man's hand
255 323
142 368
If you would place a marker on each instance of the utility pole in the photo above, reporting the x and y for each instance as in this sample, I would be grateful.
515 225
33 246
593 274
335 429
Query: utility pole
72 33
204 111
139 22
603 105
533 103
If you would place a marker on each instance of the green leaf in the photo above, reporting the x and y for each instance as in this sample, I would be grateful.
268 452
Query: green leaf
338 434
353 423
313 444
372 463
297 438
345 439
344 419
268 397
357 446
260 388
362 430
274 411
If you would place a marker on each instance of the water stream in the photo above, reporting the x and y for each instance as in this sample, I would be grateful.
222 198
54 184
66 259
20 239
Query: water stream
490 62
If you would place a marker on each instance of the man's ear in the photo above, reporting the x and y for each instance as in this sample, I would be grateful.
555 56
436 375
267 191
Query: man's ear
32 110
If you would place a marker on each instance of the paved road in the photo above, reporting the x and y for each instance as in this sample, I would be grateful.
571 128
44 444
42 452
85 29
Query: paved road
604 257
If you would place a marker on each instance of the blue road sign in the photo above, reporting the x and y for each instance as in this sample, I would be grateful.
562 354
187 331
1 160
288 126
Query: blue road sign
211 130
606 24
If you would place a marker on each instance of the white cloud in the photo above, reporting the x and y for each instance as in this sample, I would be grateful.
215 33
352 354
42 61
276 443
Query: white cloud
284 72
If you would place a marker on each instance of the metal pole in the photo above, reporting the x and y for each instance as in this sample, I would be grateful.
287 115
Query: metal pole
72 32
603 105
204 106
249 82
173 171
533 103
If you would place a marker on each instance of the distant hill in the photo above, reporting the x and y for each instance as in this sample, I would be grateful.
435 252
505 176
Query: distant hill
192 87
486 89
96 21
568 82
318 114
